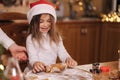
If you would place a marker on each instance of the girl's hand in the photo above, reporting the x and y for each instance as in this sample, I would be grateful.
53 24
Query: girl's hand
38 67
71 62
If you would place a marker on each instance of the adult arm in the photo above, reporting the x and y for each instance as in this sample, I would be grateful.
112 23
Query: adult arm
5 40
17 51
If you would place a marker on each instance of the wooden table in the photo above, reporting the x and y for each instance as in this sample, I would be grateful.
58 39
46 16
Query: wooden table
112 73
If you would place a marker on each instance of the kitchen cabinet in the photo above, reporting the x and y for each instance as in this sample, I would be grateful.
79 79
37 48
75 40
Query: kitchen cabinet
16 31
110 41
81 40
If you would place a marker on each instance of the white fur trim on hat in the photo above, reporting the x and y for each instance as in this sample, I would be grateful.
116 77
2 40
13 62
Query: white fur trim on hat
40 9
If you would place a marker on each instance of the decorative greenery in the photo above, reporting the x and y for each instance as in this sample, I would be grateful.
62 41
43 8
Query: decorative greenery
2 77
1 52
1 49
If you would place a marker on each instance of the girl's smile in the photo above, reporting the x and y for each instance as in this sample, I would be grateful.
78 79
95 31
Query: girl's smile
45 23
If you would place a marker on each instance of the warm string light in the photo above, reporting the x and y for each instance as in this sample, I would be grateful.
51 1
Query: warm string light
110 17
1 67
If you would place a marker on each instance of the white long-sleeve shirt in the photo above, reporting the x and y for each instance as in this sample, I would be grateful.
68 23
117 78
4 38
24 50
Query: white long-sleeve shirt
5 40
47 53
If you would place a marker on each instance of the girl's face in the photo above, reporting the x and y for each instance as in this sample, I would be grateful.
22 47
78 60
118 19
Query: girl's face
45 23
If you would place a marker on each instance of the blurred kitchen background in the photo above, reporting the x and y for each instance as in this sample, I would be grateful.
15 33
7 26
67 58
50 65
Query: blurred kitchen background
73 9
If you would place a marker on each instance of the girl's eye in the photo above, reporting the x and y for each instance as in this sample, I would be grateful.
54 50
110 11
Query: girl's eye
49 21
41 21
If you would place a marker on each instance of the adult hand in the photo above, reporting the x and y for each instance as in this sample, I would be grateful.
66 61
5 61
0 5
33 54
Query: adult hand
18 52
71 62
38 67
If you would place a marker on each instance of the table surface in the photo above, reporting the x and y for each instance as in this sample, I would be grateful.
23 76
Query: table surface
112 73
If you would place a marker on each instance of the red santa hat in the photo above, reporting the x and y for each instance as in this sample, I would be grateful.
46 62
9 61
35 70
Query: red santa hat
40 7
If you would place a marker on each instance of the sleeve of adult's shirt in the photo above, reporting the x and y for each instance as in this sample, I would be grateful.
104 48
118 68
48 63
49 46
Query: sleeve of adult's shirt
5 40
31 50
62 52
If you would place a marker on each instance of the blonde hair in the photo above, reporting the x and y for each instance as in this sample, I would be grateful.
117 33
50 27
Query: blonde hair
37 35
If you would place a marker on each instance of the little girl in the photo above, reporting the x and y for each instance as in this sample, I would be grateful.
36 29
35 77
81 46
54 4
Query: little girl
44 44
